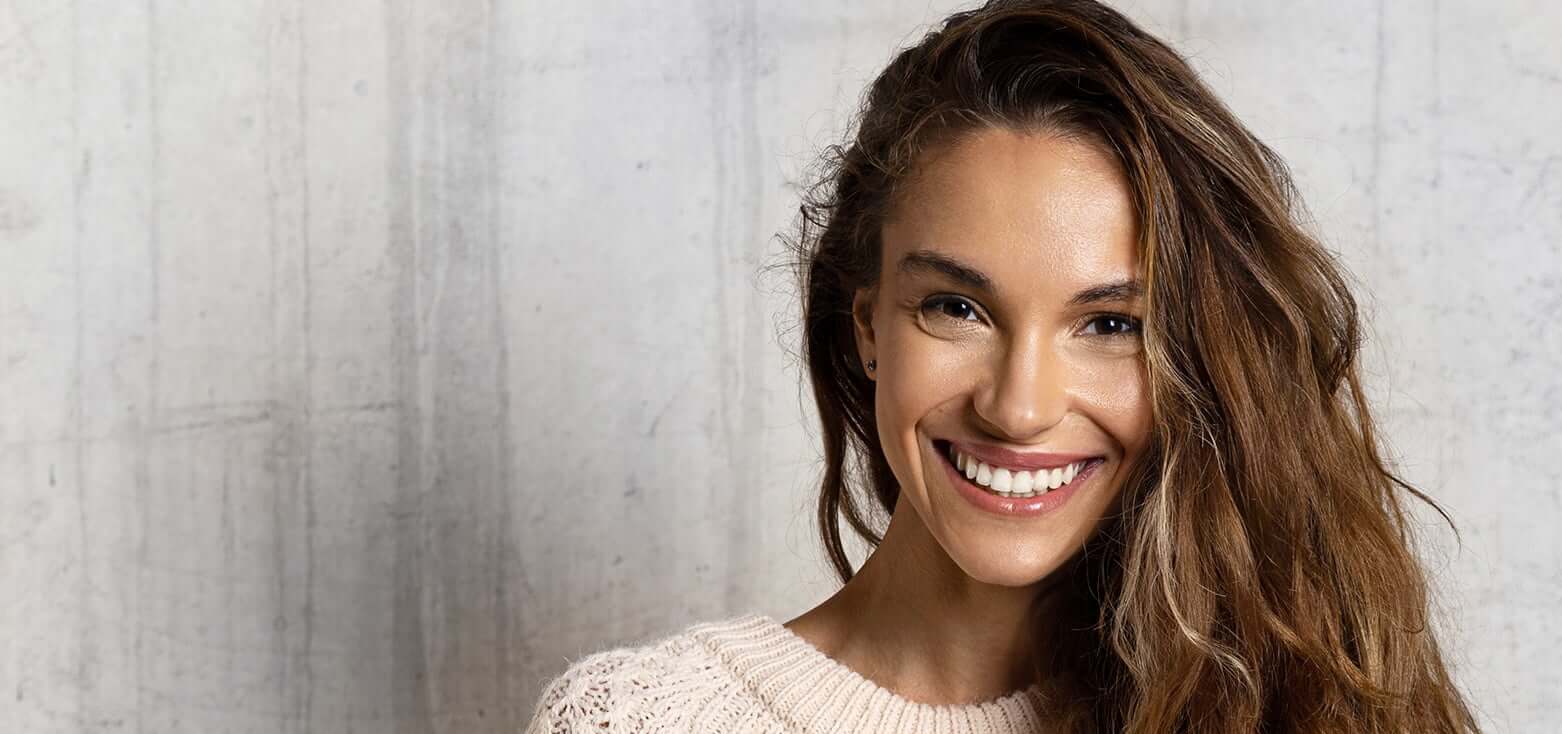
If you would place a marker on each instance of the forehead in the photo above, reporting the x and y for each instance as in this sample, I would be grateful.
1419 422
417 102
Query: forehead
1019 205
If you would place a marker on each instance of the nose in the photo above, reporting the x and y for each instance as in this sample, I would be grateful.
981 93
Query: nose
1025 391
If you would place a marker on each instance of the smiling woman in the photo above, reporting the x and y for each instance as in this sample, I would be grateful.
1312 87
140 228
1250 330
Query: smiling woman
1005 330
1066 335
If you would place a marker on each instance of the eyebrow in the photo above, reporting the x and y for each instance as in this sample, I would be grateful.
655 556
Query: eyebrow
1117 290
923 261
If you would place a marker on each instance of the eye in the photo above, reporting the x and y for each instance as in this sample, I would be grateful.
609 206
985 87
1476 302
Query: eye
1113 325
951 307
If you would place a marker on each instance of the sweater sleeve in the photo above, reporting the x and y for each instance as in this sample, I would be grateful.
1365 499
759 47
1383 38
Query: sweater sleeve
582 698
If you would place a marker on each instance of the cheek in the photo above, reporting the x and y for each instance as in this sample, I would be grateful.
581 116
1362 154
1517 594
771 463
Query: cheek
1115 392
924 373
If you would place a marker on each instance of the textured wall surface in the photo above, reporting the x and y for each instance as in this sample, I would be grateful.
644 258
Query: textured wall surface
361 363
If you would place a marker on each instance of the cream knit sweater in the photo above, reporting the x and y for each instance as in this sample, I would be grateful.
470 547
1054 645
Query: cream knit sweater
751 674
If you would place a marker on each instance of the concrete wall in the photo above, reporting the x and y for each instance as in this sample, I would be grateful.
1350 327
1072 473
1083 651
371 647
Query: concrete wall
361 363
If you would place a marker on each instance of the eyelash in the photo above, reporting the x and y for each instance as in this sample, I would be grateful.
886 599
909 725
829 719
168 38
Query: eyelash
1131 327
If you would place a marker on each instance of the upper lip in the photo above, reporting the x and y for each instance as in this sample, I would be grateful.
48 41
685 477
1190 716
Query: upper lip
1022 460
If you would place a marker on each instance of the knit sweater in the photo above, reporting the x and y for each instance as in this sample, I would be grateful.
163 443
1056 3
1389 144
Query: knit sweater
751 674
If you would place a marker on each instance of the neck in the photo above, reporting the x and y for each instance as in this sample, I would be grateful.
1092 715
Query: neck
915 623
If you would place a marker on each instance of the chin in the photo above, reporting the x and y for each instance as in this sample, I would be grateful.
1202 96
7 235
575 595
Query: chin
1001 563
1009 551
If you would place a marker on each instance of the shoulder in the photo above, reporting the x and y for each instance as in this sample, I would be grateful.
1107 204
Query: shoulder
610 689
583 696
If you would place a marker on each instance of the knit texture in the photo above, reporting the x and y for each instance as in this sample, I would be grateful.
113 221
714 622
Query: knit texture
751 674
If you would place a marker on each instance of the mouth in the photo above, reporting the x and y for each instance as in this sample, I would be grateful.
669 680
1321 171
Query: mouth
1017 476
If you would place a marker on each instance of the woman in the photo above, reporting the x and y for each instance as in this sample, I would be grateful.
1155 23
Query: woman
1064 329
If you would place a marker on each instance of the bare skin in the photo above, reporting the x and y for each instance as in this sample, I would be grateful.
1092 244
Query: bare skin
939 613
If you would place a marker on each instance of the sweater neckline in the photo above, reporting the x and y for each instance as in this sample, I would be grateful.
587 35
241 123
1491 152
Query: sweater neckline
820 694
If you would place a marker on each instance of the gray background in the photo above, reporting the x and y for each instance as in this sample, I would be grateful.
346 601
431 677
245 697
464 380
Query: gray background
366 362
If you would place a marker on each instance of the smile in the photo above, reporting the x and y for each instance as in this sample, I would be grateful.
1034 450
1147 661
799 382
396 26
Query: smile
1013 481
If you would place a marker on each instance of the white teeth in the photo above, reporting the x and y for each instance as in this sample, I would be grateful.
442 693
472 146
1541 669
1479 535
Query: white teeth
1011 482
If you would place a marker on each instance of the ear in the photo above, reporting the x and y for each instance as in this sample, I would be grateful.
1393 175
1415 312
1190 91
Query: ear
862 326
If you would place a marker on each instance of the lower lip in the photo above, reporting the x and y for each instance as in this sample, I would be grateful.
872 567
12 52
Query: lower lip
1015 506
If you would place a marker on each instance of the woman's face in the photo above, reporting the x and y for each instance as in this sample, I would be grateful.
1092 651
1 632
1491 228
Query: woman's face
1005 326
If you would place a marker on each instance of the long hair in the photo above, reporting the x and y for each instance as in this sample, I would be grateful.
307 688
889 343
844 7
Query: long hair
1259 573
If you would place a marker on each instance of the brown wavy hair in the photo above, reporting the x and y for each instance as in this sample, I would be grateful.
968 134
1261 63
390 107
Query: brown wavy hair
1259 573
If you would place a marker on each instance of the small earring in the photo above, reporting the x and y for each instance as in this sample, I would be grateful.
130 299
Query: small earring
872 364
